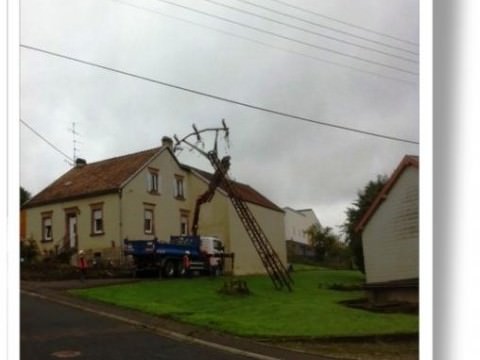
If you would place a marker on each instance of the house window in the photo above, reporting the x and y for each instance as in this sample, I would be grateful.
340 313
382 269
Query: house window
47 234
97 219
179 188
153 181
184 224
148 221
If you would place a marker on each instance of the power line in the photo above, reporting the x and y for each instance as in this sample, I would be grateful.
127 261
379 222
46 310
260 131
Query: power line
283 114
264 43
310 31
44 139
345 22
289 38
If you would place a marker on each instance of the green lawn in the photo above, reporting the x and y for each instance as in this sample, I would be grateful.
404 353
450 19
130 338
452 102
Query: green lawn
310 310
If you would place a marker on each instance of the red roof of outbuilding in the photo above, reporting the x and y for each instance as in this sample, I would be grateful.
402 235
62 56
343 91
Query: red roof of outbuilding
407 161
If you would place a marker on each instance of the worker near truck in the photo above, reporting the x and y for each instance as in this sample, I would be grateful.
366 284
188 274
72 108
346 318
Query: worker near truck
214 265
187 263
82 265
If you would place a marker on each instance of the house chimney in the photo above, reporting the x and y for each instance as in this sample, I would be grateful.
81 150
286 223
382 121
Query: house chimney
168 142
79 162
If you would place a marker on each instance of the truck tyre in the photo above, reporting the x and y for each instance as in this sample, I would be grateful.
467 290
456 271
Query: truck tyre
169 269
180 270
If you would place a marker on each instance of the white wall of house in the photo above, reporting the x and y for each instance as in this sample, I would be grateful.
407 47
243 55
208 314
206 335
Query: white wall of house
297 222
390 238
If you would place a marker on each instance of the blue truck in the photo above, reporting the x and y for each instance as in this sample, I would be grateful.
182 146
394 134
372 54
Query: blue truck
205 255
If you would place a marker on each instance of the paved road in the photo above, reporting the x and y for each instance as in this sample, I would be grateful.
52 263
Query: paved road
51 331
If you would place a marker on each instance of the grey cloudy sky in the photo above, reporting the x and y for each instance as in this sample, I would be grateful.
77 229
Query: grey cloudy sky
294 163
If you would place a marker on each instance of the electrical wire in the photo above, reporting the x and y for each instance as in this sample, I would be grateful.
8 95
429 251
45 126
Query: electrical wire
333 38
289 38
345 22
220 98
264 43
45 140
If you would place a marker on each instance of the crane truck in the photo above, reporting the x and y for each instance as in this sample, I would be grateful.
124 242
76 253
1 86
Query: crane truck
205 255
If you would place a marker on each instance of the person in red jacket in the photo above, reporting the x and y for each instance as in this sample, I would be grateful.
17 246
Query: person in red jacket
186 263
82 265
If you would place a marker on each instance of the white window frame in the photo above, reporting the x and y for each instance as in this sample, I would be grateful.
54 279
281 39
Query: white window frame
153 181
179 187
184 225
47 228
95 229
149 229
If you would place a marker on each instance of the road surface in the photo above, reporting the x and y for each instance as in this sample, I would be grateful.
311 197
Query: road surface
53 331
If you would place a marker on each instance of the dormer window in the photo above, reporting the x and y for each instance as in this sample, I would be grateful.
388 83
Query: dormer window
153 181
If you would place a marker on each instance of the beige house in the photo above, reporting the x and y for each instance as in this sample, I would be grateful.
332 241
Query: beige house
144 195
390 237
297 222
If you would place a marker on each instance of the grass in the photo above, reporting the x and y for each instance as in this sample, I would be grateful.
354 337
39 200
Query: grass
311 310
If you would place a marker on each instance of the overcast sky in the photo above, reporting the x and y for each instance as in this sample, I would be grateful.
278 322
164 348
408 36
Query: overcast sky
371 87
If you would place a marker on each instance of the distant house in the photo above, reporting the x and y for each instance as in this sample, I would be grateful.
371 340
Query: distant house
144 195
297 222
390 237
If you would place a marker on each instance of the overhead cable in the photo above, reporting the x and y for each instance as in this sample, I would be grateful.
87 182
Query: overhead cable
333 38
154 11
345 22
45 140
359 58
220 98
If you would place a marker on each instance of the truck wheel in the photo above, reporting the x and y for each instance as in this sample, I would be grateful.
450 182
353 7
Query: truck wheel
180 271
169 269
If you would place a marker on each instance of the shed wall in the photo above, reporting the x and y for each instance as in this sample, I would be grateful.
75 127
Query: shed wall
390 238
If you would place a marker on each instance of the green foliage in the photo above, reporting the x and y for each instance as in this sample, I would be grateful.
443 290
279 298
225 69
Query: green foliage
308 311
24 196
29 251
327 245
354 213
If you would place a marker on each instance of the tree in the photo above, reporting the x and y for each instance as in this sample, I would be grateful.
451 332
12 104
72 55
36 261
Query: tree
24 196
354 213
327 245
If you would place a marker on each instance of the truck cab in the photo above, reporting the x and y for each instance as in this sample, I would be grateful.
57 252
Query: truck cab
211 245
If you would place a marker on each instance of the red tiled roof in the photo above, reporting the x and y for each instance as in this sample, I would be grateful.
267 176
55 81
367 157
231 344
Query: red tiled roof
408 160
245 192
97 178
107 176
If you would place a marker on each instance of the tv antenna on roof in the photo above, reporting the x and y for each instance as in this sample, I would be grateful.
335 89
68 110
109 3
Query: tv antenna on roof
75 141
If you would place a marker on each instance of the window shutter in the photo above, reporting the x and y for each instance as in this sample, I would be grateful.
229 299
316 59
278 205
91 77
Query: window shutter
159 183
184 188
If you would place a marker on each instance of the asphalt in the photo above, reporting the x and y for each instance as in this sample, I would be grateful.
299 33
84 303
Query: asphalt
56 291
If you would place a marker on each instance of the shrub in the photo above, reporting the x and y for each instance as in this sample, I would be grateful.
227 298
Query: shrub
29 251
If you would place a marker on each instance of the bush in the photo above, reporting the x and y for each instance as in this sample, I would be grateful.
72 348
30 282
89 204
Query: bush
29 251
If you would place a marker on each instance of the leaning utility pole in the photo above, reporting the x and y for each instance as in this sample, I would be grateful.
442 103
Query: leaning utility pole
270 259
